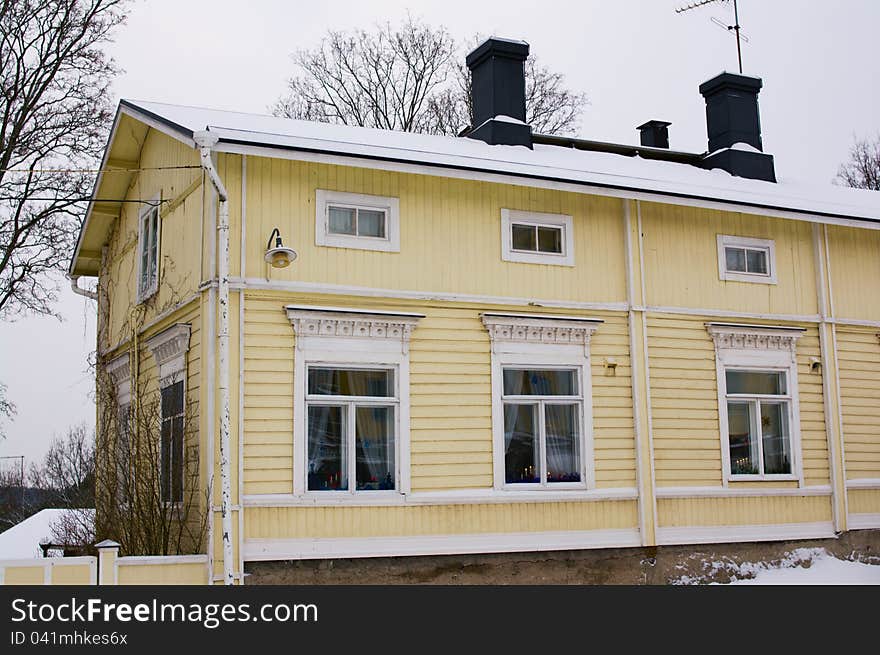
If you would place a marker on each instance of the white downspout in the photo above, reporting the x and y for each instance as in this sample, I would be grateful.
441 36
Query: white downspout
205 142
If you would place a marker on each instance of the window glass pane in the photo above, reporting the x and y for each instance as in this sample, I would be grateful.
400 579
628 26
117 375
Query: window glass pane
550 239
177 459
521 453
743 439
172 399
371 223
341 221
735 259
523 237
563 443
328 459
165 461
755 382
521 382
774 430
374 448
756 261
351 382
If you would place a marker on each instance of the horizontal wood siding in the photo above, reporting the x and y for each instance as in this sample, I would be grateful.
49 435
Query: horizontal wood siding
307 522
769 510
450 396
855 270
864 501
684 405
859 362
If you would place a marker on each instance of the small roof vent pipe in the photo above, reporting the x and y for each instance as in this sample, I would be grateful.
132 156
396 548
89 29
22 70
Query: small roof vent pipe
654 134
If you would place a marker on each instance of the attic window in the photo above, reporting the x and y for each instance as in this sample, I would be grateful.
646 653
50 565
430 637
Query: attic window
742 259
355 220
533 238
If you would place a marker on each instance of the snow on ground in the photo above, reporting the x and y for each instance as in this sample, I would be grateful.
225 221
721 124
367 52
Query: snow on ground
803 566
23 540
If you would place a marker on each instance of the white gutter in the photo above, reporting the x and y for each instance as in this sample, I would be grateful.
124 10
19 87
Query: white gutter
78 290
205 141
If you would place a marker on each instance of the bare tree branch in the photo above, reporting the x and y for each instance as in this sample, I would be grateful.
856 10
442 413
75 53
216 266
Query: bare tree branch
862 170
410 78
54 113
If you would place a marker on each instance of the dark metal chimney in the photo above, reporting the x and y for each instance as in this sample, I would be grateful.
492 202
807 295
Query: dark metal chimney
734 127
654 134
498 92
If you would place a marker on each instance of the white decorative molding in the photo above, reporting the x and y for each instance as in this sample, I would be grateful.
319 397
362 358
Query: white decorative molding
730 336
863 483
733 492
119 371
333 322
540 328
445 544
169 349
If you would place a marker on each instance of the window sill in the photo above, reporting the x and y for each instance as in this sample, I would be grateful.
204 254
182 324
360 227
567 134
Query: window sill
762 478
746 277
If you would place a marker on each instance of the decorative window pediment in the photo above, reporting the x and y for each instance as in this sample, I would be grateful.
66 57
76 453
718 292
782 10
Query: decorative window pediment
539 329
734 338
356 324
169 349
120 375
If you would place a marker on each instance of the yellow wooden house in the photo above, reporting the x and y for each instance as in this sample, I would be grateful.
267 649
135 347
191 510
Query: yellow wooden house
402 344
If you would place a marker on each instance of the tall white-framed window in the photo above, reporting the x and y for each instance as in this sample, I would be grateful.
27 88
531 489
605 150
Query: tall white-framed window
118 369
351 403
743 259
149 234
541 401
536 238
357 220
169 349
759 413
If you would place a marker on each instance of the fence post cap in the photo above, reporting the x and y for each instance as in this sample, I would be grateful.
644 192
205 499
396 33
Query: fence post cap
107 543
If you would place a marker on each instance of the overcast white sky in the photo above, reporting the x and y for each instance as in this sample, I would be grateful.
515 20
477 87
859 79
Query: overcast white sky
636 59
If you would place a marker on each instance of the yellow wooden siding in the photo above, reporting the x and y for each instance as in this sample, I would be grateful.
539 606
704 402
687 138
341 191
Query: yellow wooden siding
859 362
79 574
855 269
450 396
684 405
765 510
329 522
864 501
454 224
162 573
23 575
180 240
681 260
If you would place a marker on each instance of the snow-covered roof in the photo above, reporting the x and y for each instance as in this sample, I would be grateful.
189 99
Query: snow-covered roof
22 541
600 170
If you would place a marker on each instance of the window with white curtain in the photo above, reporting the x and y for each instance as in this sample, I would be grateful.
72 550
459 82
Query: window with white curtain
541 401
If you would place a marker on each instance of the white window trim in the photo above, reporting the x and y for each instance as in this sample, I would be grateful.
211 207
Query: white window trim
339 337
508 254
120 375
169 349
541 341
391 206
764 348
768 245
155 203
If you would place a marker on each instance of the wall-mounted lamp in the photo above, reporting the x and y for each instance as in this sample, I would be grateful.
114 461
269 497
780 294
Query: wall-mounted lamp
815 364
611 365
279 256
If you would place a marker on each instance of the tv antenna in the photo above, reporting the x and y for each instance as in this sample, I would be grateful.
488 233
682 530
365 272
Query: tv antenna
735 28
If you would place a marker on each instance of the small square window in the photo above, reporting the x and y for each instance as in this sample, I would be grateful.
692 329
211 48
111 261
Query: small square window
359 221
532 238
743 259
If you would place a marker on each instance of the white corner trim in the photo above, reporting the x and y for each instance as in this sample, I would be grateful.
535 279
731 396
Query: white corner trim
334 322
733 492
767 245
863 521
510 542
738 533
562 221
391 207
169 349
539 329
